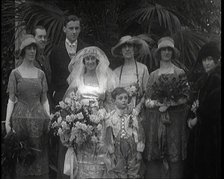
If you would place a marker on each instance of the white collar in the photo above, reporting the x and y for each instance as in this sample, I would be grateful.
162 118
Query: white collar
69 43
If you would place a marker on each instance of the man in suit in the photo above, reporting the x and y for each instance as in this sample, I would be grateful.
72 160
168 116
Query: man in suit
60 58
62 54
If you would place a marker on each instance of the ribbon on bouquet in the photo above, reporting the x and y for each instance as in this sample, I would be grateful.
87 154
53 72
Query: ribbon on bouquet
70 163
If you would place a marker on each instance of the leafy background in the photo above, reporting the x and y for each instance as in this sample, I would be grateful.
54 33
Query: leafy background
191 23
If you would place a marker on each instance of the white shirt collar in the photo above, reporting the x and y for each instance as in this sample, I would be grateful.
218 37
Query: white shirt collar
69 43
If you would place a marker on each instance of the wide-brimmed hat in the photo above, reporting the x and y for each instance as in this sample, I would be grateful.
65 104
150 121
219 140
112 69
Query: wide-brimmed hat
27 40
166 42
142 47
209 49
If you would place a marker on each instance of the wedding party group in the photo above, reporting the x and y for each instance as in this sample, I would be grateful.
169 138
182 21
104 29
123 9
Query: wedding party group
72 114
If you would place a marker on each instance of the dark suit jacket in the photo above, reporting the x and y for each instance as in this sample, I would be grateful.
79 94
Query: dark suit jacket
59 61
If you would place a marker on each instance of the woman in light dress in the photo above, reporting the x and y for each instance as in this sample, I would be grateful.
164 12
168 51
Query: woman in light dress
92 78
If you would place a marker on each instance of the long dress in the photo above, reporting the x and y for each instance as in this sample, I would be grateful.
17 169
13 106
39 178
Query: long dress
30 118
166 144
92 159
207 133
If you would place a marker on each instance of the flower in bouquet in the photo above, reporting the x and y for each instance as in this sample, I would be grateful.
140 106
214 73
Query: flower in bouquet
77 120
133 89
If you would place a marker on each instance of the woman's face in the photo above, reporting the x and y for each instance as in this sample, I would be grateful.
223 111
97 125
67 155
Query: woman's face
30 52
166 53
127 50
208 63
90 62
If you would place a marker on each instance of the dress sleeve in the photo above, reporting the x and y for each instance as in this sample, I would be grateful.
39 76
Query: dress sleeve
12 86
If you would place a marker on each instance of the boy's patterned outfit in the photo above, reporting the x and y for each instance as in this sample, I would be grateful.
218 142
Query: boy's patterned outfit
126 142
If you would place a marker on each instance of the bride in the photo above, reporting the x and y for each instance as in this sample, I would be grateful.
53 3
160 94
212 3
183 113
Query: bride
92 78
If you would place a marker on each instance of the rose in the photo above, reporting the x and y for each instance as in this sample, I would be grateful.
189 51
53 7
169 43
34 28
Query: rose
94 118
80 116
62 104
64 125
99 127
59 119
68 101
78 105
85 102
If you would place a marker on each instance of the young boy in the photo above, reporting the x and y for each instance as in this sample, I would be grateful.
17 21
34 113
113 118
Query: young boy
126 137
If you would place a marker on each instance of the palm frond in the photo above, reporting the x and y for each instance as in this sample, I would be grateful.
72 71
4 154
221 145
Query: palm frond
32 13
189 43
150 13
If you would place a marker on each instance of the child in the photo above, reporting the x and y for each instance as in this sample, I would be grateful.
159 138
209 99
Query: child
126 137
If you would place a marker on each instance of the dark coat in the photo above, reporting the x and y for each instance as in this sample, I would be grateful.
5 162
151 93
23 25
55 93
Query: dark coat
59 61
207 148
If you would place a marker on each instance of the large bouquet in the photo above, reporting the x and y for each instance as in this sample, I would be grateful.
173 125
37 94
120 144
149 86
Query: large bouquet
78 121
170 88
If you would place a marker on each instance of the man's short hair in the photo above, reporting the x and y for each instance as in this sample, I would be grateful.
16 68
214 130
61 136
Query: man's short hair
71 18
37 27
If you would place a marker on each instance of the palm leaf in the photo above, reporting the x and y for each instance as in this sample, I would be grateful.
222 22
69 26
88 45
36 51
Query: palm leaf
189 43
31 13
149 13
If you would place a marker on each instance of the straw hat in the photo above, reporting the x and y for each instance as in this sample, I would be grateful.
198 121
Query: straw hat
27 40
141 46
166 42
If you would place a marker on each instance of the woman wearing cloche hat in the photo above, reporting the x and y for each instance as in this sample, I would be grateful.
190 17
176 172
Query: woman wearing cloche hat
166 115
207 130
28 110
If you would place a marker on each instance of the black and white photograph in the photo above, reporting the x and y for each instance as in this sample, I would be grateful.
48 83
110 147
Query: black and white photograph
111 89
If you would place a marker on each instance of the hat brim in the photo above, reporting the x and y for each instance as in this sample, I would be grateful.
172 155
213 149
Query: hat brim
117 49
26 43
175 50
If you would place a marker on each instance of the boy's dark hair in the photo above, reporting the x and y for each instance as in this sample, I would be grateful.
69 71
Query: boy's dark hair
71 18
33 32
118 91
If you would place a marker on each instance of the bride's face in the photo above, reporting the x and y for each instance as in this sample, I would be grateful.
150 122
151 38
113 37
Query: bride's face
90 62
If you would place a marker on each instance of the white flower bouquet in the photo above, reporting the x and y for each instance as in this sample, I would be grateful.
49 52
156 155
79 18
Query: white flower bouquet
77 121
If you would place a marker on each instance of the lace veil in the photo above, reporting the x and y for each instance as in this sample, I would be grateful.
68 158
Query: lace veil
105 76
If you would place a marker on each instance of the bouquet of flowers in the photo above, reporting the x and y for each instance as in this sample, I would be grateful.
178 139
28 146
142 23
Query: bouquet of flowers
77 121
170 88
16 149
